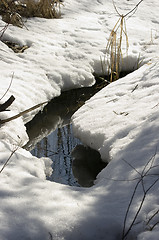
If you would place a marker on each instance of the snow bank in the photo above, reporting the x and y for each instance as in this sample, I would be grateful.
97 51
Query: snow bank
121 122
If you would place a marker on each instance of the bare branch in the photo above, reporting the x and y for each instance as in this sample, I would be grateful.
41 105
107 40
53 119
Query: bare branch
152 216
134 9
8 87
22 113
7 161
3 30
4 106
131 11
116 9
143 174
132 166
128 209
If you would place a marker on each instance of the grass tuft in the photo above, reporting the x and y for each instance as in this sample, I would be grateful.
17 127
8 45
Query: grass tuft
114 52
13 11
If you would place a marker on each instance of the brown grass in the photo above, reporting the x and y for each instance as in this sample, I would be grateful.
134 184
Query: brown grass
13 11
114 52
42 8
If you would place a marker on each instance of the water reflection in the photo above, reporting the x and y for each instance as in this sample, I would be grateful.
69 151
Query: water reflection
58 146
50 135
57 113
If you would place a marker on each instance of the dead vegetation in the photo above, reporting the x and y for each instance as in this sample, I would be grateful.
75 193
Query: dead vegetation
116 45
13 11
146 173
4 106
114 48
17 48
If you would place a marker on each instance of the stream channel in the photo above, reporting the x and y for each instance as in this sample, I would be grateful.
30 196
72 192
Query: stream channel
50 135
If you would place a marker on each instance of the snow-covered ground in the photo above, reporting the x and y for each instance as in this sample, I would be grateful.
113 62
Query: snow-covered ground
121 122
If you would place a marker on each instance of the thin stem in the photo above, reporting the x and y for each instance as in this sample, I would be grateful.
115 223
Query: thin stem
6 163
152 216
127 211
133 8
143 174
21 113
8 87
116 9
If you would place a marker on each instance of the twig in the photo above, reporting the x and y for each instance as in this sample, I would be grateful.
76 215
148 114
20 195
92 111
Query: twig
4 106
140 206
7 161
154 225
22 113
127 211
143 174
8 87
131 166
135 88
116 8
152 216
3 30
134 9
155 105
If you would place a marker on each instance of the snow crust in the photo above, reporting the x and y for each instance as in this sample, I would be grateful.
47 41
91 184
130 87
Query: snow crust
121 122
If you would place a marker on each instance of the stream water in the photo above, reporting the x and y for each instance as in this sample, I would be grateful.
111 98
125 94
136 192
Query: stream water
58 146
50 135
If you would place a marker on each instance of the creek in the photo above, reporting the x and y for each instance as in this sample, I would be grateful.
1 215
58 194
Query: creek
50 135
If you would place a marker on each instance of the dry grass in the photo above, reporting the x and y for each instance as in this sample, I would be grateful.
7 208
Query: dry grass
115 46
13 11
41 8
114 52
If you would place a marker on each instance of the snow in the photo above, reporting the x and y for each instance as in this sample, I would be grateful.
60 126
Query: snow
121 122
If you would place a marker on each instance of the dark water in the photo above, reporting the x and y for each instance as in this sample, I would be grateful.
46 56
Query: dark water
58 146
50 134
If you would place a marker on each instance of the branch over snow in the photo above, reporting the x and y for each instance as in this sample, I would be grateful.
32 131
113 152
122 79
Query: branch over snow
133 10
4 106
22 113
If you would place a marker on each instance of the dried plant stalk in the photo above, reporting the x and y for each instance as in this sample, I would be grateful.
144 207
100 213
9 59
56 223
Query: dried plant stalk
13 11
114 54
114 48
